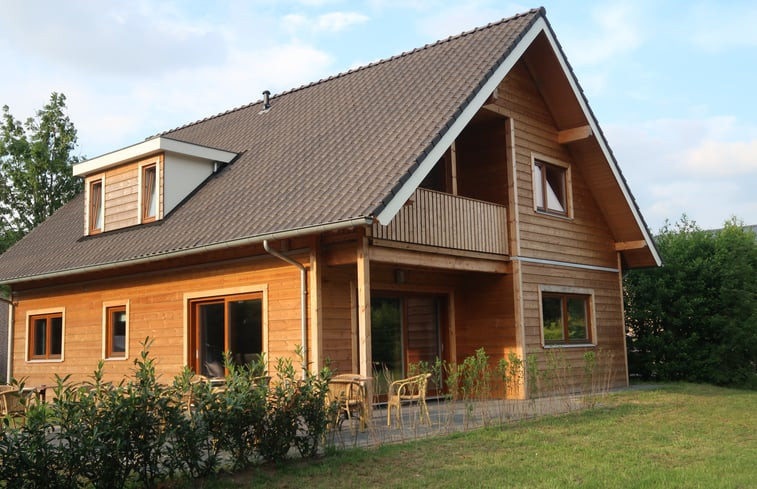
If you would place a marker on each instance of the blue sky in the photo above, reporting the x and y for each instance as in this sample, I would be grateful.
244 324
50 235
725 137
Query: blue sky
672 83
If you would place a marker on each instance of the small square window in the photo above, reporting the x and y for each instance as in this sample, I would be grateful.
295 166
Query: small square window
115 332
550 188
46 336
95 207
565 319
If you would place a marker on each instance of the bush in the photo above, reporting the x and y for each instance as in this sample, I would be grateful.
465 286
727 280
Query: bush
139 432
695 319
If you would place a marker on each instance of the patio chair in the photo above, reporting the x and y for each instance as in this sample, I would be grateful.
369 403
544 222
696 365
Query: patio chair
11 402
407 390
348 391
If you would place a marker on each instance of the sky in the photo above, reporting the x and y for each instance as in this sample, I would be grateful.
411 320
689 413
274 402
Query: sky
672 83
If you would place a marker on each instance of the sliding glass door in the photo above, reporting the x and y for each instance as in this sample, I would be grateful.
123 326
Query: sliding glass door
405 330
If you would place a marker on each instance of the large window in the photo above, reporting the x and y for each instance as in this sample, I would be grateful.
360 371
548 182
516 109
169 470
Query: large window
95 206
550 188
46 336
149 192
115 332
566 318
231 324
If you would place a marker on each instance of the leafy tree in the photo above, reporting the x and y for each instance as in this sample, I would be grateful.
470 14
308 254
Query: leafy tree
695 318
35 168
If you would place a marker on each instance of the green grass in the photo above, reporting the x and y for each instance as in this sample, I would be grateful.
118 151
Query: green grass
680 436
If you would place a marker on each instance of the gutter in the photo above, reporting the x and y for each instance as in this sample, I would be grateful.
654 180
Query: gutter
292 233
303 302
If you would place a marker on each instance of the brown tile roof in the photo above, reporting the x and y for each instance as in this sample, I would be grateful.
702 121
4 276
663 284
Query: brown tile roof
327 152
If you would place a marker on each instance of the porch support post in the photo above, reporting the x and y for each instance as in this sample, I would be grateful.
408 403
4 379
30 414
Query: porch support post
364 314
316 307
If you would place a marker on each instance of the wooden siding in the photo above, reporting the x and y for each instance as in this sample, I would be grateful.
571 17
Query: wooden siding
447 221
609 342
121 195
338 290
582 238
156 309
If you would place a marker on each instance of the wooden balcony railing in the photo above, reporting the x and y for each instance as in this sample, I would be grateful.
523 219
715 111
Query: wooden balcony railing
448 221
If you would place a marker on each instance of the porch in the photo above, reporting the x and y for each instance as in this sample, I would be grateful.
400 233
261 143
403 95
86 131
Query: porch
448 416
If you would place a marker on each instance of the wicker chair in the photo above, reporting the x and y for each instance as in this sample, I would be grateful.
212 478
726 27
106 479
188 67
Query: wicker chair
407 390
11 404
348 391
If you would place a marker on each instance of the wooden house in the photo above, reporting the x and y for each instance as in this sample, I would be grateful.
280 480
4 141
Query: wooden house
458 196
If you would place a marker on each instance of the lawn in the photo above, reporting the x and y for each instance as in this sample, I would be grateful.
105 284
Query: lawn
679 436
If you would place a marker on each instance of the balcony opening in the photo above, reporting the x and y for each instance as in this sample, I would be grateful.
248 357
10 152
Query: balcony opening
475 166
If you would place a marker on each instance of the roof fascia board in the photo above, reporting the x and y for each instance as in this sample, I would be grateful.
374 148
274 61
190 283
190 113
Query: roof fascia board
601 140
148 147
415 179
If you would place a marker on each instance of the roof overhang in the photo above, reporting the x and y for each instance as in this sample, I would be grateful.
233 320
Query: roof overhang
540 27
149 147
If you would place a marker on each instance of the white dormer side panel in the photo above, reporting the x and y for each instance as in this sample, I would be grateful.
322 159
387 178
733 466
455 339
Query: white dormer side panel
181 175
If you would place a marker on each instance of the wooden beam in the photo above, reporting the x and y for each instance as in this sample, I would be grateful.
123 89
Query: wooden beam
453 167
574 134
446 262
339 254
497 109
630 245
316 308
364 315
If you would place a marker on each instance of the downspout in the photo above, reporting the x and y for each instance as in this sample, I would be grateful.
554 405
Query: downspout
303 301
11 318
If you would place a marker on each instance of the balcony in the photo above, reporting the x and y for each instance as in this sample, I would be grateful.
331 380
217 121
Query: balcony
443 220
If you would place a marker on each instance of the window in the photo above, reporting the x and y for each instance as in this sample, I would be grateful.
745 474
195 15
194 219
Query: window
149 193
225 324
46 336
115 332
566 319
550 188
95 206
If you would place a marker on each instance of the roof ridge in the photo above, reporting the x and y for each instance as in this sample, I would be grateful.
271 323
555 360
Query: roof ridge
539 10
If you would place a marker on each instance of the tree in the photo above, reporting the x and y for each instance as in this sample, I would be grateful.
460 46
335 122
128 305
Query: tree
35 168
695 318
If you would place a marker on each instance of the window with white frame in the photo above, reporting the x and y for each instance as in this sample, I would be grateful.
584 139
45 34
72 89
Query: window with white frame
551 191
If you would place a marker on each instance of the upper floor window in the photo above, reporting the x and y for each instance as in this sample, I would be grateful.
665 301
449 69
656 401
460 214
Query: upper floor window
566 318
149 193
550 188
46 336
95 206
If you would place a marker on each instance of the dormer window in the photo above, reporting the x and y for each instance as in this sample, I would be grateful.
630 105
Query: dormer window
96 206
142 183
149 192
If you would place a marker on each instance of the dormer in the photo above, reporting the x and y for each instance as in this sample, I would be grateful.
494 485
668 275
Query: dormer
144 182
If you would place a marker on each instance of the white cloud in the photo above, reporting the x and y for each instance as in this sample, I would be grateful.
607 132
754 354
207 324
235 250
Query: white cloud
107 38
715 28
702 167
445 20
723 158
332 22
617 31
338 21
